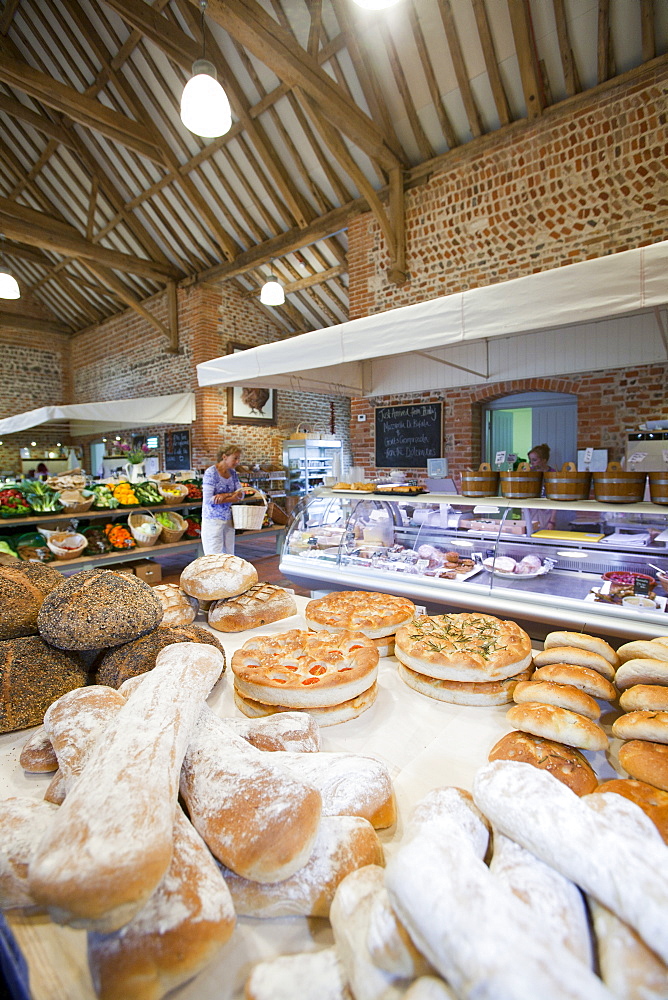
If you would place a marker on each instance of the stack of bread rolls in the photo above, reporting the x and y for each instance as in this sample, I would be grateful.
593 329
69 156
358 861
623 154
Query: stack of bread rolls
643 680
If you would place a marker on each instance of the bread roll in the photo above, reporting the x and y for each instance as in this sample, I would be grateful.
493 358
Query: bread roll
213 578
350 785
38 755
137 657
646 761
561 695
576 656
583 678
652 801
463 692
23 822
175 935
564 763
313 975
627 966
558 724
259 605
178 607
581 640
111 841
296 731
642 671
645 698
647 649
343 844
624 873
651 726
32 675
256 818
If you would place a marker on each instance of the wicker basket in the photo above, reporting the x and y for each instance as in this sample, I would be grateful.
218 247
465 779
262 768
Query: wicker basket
249 516
277 514
78 508
523 484
68 553
178 529
569 484
481 483
617 486
171 497
138 522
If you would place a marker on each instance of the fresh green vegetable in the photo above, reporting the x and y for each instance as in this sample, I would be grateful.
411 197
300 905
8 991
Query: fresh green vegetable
104 498
41 497
164 520
7 549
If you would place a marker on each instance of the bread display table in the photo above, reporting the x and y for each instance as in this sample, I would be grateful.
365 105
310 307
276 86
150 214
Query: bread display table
424 743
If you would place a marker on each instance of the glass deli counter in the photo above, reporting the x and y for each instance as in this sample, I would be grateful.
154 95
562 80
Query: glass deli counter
605 570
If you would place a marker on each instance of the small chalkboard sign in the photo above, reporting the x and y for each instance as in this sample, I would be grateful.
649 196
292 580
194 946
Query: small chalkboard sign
177 450
406 436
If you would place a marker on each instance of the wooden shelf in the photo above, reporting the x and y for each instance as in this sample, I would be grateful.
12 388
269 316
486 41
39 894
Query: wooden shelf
108 512
124 555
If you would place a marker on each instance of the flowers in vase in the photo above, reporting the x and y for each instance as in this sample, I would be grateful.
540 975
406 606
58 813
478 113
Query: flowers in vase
134 455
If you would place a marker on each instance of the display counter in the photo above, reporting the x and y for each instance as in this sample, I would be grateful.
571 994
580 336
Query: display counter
425 744
490 555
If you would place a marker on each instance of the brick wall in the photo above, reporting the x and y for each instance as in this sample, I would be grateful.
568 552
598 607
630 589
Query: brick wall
588 178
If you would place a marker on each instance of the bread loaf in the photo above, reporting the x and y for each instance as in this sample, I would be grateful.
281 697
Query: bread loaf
32 675
463 692
643 649
23 822
651 726
583 678
644 698
652 801
313 975
642 670
21 597
576 656
558 724
38 755
564 763
329 715
625 874
178 608
213 578
628 967
138 656
581 640
256 818
388 942
646 761
561 695
296 731
111 841
343 844
259 605
175 935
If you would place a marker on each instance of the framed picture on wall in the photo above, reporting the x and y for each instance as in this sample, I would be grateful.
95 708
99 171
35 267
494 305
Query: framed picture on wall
250 404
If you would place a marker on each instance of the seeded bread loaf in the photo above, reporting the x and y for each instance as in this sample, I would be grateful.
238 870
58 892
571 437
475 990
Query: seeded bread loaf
32 675
22 592
137 657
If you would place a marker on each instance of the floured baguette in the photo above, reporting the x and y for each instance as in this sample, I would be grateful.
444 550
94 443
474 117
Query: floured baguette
343 844
350 916
626 874
111 841
389 943
475 931
558 906
23 823
350 785
313 975
257 818
38 755
628 967
184 923
295 731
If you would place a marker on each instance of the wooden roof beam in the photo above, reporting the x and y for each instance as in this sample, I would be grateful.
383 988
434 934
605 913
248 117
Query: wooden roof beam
491 62
125 295
570 70
296 286
31 324
459 65
41 124
526 57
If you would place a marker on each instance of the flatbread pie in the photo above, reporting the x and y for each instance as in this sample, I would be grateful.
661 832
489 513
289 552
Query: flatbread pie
376 615
463 647
329 716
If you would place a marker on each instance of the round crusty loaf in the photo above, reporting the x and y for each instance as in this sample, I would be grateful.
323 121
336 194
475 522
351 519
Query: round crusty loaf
42 575
213 578
22 593
652 801
561 695
589 681
576 656
178 607
558 724
564 763
32 675
645 698
642 670
463 692
643 648
646 761
260 605
581 640
651 726
138 657
98 608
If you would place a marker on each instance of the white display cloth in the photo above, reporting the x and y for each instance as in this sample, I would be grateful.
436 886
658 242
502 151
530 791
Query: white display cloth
332 360
424 743
93 418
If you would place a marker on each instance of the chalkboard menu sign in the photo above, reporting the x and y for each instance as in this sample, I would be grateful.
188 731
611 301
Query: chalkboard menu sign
406 436
177 450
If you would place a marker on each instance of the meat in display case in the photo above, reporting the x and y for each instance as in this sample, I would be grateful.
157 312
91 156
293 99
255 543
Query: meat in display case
604 568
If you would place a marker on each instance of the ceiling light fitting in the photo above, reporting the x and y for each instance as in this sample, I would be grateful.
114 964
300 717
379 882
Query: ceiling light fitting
205 108
9 286
273 293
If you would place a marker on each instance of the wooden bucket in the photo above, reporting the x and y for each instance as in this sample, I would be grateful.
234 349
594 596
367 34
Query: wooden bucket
569 484
617 486
481 483
658 487
523 484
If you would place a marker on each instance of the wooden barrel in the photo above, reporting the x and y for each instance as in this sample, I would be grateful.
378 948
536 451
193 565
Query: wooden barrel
481 483
523 484
569 484
658 487
617 486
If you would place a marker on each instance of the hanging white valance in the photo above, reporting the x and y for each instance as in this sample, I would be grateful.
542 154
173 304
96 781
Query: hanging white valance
94 418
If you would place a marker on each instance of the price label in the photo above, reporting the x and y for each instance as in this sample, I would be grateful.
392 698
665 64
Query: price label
500 458
641 586
511 458
636 457
588 455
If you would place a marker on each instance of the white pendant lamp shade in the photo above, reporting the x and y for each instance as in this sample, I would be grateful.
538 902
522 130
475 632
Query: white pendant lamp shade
375 4
9 286
272 293
205 109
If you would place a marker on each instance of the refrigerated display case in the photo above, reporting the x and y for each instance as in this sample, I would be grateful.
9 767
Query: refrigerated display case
451 551
308 461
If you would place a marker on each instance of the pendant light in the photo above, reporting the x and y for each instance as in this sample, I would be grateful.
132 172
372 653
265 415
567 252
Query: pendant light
9 286
272 293
205 108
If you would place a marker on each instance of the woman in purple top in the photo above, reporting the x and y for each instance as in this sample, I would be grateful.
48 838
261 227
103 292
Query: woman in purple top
220 488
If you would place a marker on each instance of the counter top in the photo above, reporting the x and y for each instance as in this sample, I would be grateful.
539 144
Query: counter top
424 743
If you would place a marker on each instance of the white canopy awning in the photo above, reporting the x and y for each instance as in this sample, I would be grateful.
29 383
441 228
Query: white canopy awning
94 418
338 359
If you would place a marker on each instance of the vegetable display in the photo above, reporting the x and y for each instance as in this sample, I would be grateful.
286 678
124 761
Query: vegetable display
147 493
119 537
13 503
125 494
104 498
194 491
41 497
194 529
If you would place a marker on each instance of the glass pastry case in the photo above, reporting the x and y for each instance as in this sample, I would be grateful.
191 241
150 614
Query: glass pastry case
602 568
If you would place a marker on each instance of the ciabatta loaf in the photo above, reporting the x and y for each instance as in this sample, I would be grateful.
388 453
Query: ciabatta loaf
111 841
628 967
389 943
259 605
296 731
625 873
23 823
